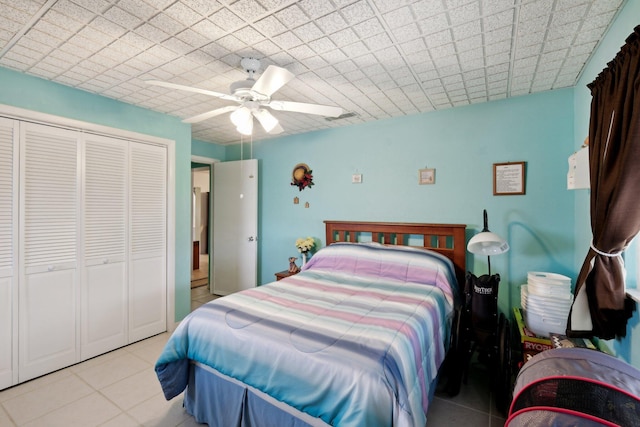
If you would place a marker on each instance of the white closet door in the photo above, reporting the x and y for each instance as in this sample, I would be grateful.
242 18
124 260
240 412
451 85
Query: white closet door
104 285
8 251
48 255
148 236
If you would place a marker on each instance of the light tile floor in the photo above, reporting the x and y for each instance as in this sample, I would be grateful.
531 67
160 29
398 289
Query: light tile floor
120 389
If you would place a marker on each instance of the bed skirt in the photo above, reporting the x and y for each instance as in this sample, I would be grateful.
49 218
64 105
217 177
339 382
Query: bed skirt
222 401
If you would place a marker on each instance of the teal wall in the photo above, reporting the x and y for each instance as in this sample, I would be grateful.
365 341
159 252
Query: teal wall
23 91
461 144
207 149
628 18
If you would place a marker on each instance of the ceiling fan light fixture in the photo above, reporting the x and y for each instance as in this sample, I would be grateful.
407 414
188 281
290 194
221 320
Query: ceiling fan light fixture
266 119
240 116
243 120
246 128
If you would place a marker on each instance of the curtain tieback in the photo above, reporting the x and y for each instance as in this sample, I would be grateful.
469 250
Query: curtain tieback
599 252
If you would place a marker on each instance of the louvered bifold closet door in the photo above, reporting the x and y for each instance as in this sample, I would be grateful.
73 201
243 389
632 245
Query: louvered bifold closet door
147 242
48 255
8 251
104 285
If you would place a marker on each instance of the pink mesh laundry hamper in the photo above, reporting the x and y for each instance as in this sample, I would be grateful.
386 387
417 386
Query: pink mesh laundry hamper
575 387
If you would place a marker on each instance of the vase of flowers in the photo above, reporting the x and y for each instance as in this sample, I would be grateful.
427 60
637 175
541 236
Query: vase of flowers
304 245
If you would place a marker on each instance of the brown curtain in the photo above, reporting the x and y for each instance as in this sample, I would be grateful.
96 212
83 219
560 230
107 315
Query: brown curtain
601 307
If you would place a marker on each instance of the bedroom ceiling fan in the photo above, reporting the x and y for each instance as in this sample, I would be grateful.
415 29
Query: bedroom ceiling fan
252 95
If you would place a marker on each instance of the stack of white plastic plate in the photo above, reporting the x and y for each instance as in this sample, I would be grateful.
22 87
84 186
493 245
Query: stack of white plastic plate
546 300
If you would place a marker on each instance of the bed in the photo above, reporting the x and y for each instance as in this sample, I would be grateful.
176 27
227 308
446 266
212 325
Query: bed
355 339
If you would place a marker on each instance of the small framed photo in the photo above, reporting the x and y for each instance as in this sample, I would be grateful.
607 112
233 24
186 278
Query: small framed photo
426 176
508 179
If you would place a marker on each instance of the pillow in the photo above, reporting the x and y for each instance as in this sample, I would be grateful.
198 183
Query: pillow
377 261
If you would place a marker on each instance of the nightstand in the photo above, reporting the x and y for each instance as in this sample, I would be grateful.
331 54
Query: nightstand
282 274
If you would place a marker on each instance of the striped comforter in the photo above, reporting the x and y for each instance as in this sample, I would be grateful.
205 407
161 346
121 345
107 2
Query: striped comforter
355 339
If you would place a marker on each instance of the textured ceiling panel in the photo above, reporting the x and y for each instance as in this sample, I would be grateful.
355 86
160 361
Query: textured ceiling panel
374 58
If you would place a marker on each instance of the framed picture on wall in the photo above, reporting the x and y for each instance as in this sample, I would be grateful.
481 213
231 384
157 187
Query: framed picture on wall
426 176
508 179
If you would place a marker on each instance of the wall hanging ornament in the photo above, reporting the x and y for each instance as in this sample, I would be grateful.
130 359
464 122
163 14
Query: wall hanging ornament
302 176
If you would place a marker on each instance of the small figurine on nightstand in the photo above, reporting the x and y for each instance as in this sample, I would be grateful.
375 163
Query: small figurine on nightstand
293 268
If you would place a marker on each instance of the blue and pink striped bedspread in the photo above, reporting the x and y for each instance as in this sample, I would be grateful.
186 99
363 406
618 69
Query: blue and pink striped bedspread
355 339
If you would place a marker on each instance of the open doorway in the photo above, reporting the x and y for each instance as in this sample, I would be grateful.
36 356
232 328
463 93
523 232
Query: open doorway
200 231
200 226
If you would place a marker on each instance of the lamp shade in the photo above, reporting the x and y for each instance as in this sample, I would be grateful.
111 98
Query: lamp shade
487 243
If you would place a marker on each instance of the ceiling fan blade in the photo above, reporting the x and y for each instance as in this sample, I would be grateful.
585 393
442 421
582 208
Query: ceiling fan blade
268 122
192 89
271 80
209 114
301 107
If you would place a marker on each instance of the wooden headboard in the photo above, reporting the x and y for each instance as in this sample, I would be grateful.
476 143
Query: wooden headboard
447 239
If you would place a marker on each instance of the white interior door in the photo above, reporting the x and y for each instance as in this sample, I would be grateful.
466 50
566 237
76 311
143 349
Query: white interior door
8 251
104 285
235 226
147 241
48 254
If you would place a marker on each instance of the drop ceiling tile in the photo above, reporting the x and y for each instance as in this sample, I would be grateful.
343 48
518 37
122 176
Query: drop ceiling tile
301 52
203 7
379 41
355 49
405 33
152 33
413 47
533 26
308 32
177 46
321 45
465 13
525 52
498 35
334 56
292 16
226 19
558 44
282 59
493 6
344 37
331 23
603 6
192 38
398 17
74 11
535 9
137 8
467 30
357 12
434 24
183 14
471 43
287 40
496 48
499 20
166 23
497 59
122 18
368 28
447 50
57 18
436 40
